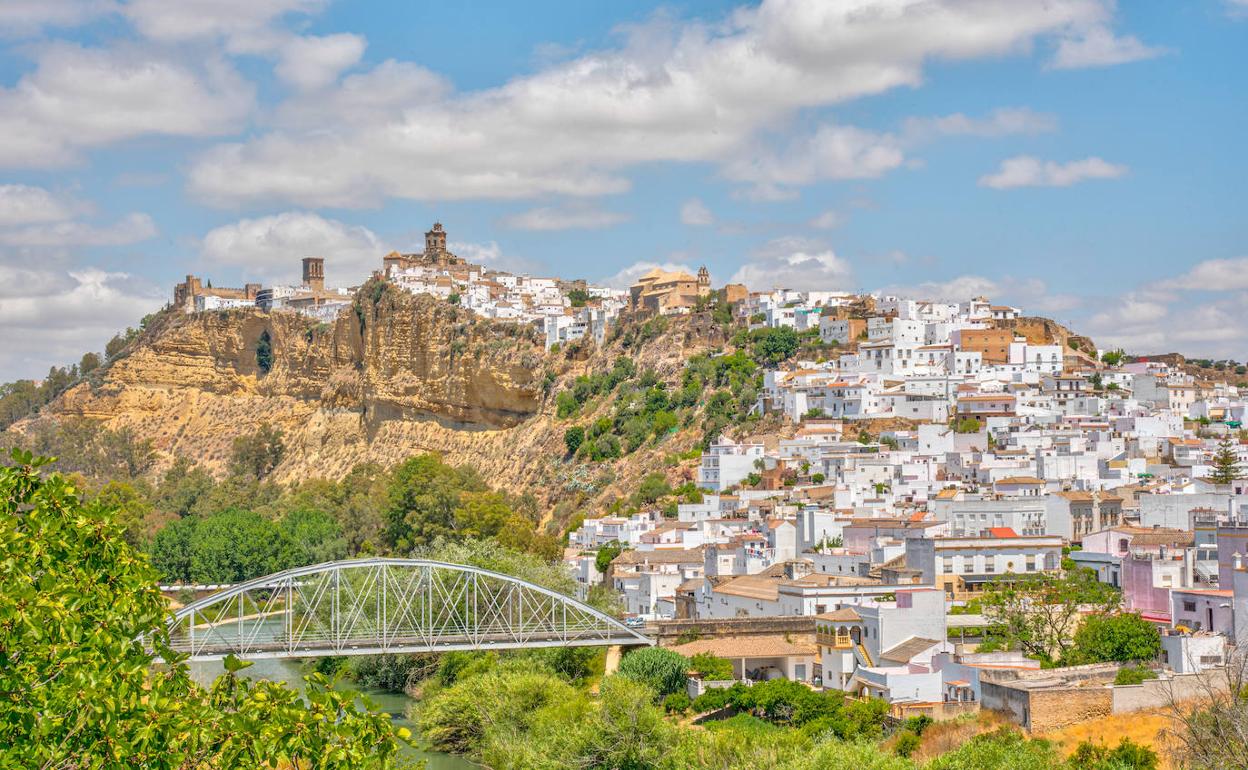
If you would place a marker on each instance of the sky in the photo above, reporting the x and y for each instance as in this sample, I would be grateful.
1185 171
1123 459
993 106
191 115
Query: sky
1081 159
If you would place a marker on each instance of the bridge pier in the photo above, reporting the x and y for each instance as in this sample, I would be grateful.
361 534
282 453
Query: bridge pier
613 660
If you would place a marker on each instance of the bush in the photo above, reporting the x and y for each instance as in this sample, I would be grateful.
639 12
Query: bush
907 743
573 438
662 670
711 667
1127 755
677 703
1134 675
1124 637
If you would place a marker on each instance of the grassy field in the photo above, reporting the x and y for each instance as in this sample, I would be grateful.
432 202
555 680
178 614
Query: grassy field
1143 727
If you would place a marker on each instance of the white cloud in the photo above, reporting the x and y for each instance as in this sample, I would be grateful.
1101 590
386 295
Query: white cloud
271 247
491 255
23 205
567 217
828 220
1100 47
794 263
695 213
673 91
59 315
25 17
245 25
309 63
132 228
1000 122
1026 171
832 152
78 98
1211 275
629 275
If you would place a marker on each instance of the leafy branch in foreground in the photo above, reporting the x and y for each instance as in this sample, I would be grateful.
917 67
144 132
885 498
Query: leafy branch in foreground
79 687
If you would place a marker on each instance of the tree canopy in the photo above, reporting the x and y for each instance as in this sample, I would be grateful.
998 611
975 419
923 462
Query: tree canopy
81 689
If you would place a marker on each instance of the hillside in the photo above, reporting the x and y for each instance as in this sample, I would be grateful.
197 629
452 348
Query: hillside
395 376
400 374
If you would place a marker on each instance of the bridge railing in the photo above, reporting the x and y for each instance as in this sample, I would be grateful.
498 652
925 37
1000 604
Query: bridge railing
368 606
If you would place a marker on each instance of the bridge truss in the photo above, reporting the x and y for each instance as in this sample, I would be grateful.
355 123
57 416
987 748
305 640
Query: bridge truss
382 605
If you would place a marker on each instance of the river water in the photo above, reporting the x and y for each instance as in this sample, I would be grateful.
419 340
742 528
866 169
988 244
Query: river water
394 704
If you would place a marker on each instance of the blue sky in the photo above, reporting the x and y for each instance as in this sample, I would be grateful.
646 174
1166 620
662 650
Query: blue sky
1081 159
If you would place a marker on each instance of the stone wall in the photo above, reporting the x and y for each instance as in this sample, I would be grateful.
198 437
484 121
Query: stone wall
1055 709
667 632
1159 693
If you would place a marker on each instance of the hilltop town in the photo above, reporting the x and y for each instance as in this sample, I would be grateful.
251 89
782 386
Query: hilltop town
816 485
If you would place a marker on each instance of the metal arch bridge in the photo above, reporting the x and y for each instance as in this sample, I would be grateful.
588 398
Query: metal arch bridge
382 605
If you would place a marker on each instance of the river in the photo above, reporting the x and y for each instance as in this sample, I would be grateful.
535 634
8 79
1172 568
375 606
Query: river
290 672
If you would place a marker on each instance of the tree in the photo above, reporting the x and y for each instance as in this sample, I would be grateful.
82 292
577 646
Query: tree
256 455
81 624
573 438
1211 732
772 346
237 545
421 500
578 297
182 487
661 669
1122 637
653 487
313 537
482 514
1113 357
1039 612
264 352
1225 463
606 554
89 363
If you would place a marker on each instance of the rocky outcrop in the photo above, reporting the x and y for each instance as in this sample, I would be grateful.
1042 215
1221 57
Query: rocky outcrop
392 375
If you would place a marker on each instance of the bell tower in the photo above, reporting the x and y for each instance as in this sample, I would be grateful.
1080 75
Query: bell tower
314 273
704 277
435 241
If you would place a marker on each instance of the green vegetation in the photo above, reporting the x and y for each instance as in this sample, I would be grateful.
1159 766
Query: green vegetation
1225 463
967 425
264 352
1039 612
711 667
578 297
84 692
661 670
1122 637
1134 675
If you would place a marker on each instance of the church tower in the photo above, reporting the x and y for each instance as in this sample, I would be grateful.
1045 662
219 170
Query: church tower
435 241
704 278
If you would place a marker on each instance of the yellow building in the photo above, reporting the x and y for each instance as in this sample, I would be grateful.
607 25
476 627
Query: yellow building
667 292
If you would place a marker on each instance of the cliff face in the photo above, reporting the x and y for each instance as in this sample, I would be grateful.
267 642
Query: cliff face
393 375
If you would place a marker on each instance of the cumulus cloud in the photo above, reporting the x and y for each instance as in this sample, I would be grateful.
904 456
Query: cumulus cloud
567 217
629 275
246 26
1100 47
77 98
271 247
672 91
1211 275
309 63
60 314
828 220
794 263
1000 122
695 213
23 205
26 17
832 152
1026 171
132 228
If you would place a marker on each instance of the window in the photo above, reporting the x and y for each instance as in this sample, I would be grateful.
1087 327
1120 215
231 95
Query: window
1031 564
990 566
1189 605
